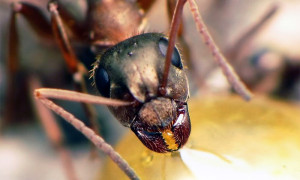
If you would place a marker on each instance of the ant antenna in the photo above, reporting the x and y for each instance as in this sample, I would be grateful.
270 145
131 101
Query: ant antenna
173 34
228 71
43 94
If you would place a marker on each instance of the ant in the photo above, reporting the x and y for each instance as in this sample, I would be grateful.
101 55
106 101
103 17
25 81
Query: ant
140 78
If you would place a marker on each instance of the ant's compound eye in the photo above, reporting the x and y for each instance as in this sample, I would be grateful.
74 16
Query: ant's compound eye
102 82
163 46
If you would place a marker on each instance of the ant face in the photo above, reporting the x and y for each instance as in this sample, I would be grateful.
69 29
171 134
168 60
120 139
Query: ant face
132 70
141 79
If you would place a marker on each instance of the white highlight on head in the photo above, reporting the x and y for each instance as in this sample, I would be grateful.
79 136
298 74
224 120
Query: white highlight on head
180 119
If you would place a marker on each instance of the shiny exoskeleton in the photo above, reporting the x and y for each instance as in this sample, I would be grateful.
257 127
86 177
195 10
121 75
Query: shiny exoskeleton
132 71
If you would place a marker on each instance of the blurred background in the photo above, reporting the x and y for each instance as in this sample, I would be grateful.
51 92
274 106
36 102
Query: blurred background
260 38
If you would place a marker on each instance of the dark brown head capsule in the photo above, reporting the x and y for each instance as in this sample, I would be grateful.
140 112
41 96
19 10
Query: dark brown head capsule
132 71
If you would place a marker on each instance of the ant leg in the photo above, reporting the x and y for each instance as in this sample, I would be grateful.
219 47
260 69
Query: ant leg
228 71
233 52
39 23
76 68
53 132
76 27
43 94
42 27
63 41
230 74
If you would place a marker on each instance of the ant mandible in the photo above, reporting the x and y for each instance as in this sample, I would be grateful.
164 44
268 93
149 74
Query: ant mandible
143 92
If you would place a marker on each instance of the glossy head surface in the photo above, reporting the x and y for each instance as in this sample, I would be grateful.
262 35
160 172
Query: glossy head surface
162 125
132 71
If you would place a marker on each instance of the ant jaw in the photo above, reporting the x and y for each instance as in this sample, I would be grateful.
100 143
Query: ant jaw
164 138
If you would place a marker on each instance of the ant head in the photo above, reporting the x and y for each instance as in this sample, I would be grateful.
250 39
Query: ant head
132 71
136 66
162 125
